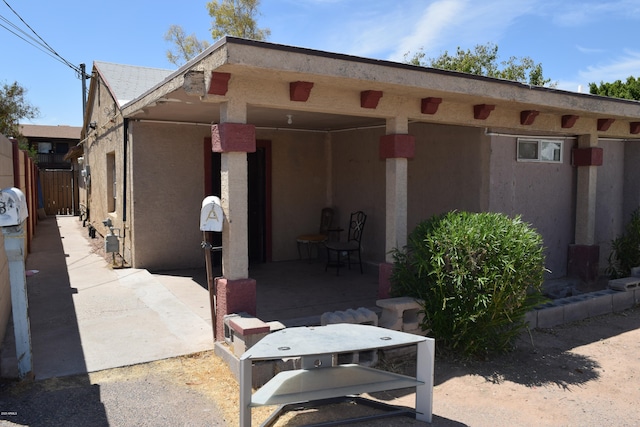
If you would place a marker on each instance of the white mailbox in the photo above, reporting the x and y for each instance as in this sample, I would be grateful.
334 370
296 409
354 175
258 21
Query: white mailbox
13 207
211 215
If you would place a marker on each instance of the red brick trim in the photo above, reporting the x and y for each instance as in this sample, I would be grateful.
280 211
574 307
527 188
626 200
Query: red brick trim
300 91
430 105
591 156
527 117
634 128
233 296
384 280
482 111
370 98
219 83
604 124
233 137
568 120
397 146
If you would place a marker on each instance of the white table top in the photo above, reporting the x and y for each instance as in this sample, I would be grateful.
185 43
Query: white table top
336 338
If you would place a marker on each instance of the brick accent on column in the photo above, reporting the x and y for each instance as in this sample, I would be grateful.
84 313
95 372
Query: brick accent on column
591 156
397 145
634 128
384 280
300 91
233 137
219 83
583 262
370 98
233 296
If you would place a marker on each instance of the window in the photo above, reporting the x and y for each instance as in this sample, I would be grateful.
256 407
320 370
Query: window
539 150
111 182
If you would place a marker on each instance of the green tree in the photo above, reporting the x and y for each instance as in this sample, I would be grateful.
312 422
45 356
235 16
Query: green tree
184 47
13 108
230 17
483 61
236 18
627 90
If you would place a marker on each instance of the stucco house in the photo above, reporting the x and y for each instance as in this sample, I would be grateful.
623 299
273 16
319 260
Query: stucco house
280 132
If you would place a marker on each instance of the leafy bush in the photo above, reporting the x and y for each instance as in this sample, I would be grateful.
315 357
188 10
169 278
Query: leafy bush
625 250
477 273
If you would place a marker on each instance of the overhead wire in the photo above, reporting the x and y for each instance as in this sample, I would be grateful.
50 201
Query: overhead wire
39 43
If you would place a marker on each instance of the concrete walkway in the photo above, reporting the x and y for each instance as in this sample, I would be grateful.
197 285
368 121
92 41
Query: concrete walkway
86 316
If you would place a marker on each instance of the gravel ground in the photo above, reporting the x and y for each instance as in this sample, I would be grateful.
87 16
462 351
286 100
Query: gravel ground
586 373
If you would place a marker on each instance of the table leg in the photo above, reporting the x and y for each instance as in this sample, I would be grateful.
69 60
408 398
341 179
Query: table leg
245 392
424 373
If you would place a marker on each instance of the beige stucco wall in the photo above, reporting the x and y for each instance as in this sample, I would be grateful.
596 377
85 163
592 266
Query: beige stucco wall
358 183
299 186
167 180
449 171
631 195
610 196
542 193
106 138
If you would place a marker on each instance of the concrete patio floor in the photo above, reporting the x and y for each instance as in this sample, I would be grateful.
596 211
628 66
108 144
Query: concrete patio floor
86 316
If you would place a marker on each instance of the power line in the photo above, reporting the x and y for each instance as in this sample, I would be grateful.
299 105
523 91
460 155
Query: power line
38 43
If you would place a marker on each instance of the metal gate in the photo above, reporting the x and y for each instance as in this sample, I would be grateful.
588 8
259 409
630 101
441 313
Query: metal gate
58 192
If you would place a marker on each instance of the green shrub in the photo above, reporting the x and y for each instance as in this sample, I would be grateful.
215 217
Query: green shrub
625 250
477 273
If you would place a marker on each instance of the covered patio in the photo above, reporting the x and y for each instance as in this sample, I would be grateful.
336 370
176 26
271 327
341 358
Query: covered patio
298 292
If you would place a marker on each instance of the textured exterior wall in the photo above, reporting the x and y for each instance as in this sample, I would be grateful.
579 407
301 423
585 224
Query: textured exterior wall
106 138
449 171
358 183
610 217
299 187
631 196
167 181
542 193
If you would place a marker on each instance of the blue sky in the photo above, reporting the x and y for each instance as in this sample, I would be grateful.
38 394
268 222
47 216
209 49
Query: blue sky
576 41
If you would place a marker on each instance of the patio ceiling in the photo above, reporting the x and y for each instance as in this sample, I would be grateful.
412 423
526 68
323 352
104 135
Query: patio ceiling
180 107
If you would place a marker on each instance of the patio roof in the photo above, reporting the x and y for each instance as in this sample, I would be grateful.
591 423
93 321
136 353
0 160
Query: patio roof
339 83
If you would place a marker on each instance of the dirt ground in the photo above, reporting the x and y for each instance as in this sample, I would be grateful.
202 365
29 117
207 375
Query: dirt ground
586 373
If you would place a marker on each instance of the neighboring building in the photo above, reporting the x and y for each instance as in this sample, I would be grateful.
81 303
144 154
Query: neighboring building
51 143
295 130
58 177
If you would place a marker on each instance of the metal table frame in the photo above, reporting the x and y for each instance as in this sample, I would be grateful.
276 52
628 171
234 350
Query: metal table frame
320 378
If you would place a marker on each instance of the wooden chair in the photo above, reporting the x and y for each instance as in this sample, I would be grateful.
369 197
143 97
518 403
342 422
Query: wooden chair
326 218
337 250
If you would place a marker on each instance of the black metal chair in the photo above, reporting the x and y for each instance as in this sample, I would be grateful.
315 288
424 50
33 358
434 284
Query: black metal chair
336 251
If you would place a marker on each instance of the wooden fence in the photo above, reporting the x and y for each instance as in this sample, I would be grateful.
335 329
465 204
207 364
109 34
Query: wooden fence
58 192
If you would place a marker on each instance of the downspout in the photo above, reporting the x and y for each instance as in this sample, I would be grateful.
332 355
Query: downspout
125 146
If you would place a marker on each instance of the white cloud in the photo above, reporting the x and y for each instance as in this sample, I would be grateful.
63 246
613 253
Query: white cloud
447 24
619 69
589 50
573 14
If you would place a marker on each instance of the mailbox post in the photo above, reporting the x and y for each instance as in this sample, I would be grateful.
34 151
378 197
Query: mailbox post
211 219
13 215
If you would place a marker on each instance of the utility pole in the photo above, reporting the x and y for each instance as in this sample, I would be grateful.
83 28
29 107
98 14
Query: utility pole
83 77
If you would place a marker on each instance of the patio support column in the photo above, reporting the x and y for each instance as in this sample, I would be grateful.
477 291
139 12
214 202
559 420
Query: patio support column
395 148
233 138
584 254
